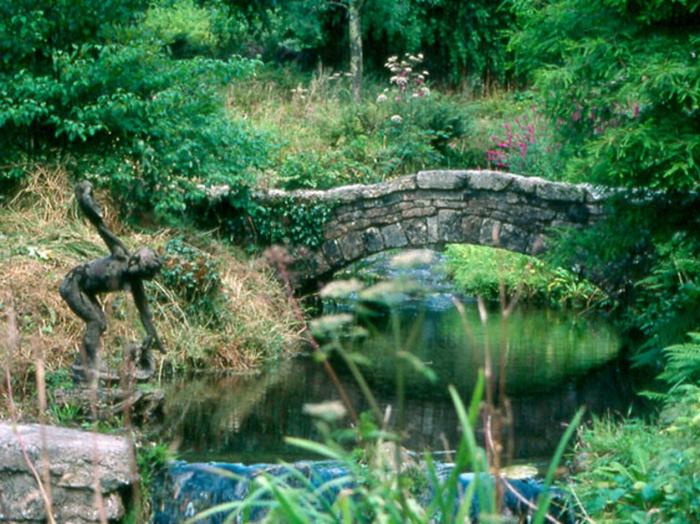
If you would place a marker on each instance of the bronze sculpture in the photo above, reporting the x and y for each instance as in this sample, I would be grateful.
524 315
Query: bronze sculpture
119 271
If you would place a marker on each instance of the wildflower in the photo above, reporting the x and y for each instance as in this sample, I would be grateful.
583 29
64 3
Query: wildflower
396 119
382 98
330 323
412 258
340 288
523 149
329 411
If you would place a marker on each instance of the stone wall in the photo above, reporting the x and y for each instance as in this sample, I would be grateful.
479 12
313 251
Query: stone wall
75 460
432 208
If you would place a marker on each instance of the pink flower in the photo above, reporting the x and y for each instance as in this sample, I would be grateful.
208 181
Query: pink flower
531 133
576 116
523 149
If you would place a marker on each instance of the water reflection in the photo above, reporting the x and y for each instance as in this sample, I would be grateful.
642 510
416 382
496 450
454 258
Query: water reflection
554 363
539 348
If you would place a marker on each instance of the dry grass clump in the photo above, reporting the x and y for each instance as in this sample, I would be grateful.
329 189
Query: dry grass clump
42 237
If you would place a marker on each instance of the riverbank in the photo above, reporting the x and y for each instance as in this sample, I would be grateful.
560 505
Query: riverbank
214 308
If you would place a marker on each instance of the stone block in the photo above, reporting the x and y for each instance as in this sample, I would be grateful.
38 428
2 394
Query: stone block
471 229
393 198
578 213
526 184
432 224
319 264
331 249
449 204
449 226
417 212
394 236
352 246
373 240
488 180
441 179
511 198
416 232
508 236
560 192
74 458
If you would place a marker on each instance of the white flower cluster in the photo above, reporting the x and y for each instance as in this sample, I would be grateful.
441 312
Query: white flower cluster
405 75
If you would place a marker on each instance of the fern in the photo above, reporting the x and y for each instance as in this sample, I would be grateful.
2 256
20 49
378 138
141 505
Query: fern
682 361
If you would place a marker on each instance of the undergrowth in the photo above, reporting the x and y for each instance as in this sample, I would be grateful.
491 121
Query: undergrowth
212 308
643 472
480 270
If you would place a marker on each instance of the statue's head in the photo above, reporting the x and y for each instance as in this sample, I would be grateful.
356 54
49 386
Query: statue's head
144 263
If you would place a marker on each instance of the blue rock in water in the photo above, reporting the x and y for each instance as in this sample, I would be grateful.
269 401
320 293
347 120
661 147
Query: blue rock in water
187 489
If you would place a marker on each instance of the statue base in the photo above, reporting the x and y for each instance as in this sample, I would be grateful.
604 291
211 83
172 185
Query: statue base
144 406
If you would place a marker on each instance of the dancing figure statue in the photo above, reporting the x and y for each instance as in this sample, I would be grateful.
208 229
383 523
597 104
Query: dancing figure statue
120 271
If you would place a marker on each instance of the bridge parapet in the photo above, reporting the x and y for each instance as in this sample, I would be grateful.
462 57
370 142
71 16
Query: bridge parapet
433 208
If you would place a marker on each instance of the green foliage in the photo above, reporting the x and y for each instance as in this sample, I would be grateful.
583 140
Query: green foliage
654 274
683 361
668 299
527 146
193 277
287 221
151 457
183 26
101 85
464 41
624 81
66 414
644 472
480 270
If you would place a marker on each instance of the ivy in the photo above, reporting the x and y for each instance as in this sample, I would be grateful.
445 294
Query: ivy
290 221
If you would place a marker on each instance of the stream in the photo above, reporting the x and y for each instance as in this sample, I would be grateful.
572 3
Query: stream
554 362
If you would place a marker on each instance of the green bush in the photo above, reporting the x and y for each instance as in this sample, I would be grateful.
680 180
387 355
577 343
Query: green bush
193 277
101 87
527 146
480 270
288 221
623 80
643 472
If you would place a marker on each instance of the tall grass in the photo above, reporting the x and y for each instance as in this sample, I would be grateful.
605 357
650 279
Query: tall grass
42 237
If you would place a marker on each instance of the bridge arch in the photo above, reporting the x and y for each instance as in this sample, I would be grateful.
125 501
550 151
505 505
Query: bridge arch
432 208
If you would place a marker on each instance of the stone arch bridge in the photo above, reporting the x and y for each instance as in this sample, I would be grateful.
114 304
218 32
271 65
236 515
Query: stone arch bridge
433 208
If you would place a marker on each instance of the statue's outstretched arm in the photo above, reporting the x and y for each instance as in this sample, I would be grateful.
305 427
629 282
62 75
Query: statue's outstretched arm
93 212
146 318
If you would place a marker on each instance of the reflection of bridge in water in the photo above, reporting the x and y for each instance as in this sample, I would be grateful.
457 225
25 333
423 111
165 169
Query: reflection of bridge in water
206 431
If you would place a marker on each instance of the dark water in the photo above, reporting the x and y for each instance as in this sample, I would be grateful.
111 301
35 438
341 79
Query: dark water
553 362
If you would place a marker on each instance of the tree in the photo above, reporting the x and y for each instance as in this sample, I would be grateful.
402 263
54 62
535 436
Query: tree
622 78
354 8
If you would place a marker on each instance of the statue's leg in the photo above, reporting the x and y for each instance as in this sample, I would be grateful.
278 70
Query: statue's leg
88 309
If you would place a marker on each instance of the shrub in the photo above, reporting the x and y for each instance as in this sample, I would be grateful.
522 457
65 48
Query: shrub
624 82
527 147
480 270
643 472
100 86
192 275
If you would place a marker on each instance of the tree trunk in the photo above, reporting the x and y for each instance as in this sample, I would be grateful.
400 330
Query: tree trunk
355 34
